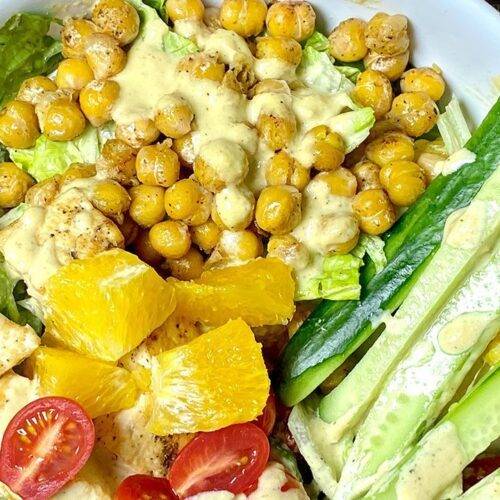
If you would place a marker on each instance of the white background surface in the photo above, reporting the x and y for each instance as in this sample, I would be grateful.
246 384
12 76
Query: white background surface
460 36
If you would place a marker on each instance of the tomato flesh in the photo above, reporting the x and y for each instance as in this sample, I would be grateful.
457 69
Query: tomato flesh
267 419
230 459
44 446
143 487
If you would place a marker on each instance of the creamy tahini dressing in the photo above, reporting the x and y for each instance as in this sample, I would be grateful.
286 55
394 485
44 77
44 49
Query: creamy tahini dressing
464 227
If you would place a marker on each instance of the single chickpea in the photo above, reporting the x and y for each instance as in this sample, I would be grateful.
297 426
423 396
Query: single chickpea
220 163
185 150
144 249
284 169
202 66
78 171
423 80
170 238
374 211
18 125
415 112
147 205
367 175
328 148
188 267
104 55
245 17
288 249
405 181
239 245
33 88
110 198
341 181
387 35
14 184
342 232
157 165
63 120
291 19
380 128
347 40
235 207
44 192
73 74
130 230
117 18
276 131
74 36
389 147
390 66
97 100
117 162
173 116
279 47
178 10
373 89
138 133
206 235
278 209
270 86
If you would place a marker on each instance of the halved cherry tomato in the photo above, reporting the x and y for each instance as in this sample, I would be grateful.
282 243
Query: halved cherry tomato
479 469
143 487
44 446
229 459
268 417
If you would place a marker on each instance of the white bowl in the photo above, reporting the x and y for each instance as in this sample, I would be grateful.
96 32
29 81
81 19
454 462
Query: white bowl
460 36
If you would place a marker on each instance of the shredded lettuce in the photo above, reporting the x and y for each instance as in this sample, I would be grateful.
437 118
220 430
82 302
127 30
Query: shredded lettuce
12 215
178 45
350 72
317 41
453 127
353 126
25 50
159 6
373 246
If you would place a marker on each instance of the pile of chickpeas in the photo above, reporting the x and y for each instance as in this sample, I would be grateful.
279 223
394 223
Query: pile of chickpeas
175 207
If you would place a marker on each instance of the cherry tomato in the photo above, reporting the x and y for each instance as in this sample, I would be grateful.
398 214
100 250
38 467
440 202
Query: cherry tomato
480 468
291 483
229 459
268 417
44 446
143 487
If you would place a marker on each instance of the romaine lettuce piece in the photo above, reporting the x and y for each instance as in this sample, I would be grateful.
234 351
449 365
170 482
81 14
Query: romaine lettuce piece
178 45
373 246
317 41
453 127
353 126
12 215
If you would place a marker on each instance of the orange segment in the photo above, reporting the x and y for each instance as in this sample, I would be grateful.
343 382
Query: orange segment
260 292
106 305
216 380
98 386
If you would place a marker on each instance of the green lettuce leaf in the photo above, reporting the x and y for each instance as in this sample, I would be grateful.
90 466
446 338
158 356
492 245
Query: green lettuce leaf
159 6
4 154
12 215
373 246
353 126
316 69
350 72
453 127
178 45
25 50
317 41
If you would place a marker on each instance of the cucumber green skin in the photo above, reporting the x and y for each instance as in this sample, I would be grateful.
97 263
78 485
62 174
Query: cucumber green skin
335 329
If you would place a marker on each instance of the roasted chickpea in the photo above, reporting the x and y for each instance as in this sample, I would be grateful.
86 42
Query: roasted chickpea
202 66
245 17
374 211
373 89
14 184
157 165
185 150
110 198
117 18
139 133
33 88
389 147
129 229
44 192
104 55
347 40
404 182
170 238
278 209
270 86
73 74
185 9
188 267
428 154
391 66
63 120
423 80
234 206
340 233
97 100
288 249
173 116
78 171
415 112
276 131
284 169
328 148
206 235
117 162
367 175
279 47
291 19
147 205
74 36
380 128
341 182
18 125
239 245
220 163
387 35
144 249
